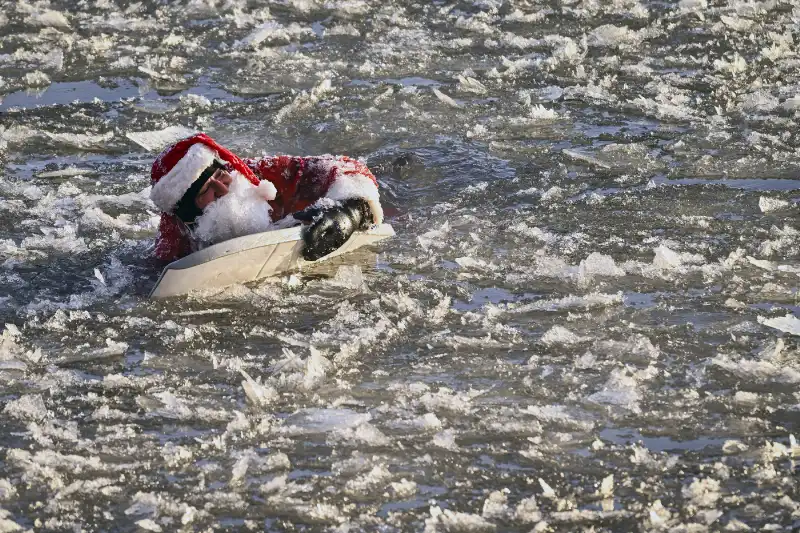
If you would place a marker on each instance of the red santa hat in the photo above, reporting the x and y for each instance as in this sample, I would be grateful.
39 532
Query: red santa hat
177 167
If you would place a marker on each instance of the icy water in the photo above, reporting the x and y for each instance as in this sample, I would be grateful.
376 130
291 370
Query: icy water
585 322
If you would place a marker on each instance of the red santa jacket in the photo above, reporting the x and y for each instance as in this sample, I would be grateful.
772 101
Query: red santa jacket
300 182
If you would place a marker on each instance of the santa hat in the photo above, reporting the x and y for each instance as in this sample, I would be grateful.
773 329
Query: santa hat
177 167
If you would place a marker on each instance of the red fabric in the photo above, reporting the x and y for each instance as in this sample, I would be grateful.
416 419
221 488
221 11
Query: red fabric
170 157
300 182
173 241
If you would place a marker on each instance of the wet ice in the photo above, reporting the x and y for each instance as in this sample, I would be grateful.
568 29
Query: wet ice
587 318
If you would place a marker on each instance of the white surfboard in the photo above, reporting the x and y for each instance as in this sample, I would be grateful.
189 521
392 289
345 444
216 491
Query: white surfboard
249 258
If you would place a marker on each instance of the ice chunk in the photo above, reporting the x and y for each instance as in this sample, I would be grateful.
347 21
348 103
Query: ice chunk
702 492
315 420
49 18
316 368
363 434
273 31
149 524
372 482
667 259
37 78
561 335
734 446
27 407
584 157
636 347
745 398
761 263
788 324
621 390
589 301
260 395
157 140
658 515
448 520
428 421
759 371
446 439
496 505
527 511
83 141
547 490
444 98
304 100
274 485
768 205
607 487
471 85
735 66
349 276
597 264
540 113
404 489
610 35
434 238
67 172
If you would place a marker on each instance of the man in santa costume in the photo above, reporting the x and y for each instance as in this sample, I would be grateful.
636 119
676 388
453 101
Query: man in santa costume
208 194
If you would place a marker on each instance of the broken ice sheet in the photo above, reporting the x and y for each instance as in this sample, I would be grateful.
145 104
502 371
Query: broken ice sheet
157 140
788 324
316 420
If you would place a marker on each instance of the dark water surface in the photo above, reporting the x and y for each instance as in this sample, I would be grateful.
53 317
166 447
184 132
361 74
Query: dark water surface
585 322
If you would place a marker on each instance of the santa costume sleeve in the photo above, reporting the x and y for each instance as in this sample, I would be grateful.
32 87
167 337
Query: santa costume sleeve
302 181
173 240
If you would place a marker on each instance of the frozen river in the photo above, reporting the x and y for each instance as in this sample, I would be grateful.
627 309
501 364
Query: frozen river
586 320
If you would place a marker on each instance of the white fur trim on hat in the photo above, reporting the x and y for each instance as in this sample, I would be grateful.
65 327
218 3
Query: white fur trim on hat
357 186
174 184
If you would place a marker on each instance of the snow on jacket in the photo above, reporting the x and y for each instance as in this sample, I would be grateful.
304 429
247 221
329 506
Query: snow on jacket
300 182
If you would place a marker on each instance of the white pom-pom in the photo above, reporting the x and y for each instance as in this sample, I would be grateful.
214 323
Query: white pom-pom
267 190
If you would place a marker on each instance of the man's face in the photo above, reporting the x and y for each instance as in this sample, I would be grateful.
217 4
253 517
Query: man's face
216 187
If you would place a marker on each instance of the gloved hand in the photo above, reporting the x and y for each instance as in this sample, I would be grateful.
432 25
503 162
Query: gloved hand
330 227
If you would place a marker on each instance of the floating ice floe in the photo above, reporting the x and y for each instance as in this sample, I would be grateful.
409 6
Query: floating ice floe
592 300
83 141
304 100
157 140
448 520
67 172
317 420
768 205
561 335
444 98
788 324
621 390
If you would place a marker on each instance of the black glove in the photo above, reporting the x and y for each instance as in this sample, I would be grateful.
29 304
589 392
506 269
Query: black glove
331 226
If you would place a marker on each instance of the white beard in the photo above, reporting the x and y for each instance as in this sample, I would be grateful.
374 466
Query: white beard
243 211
